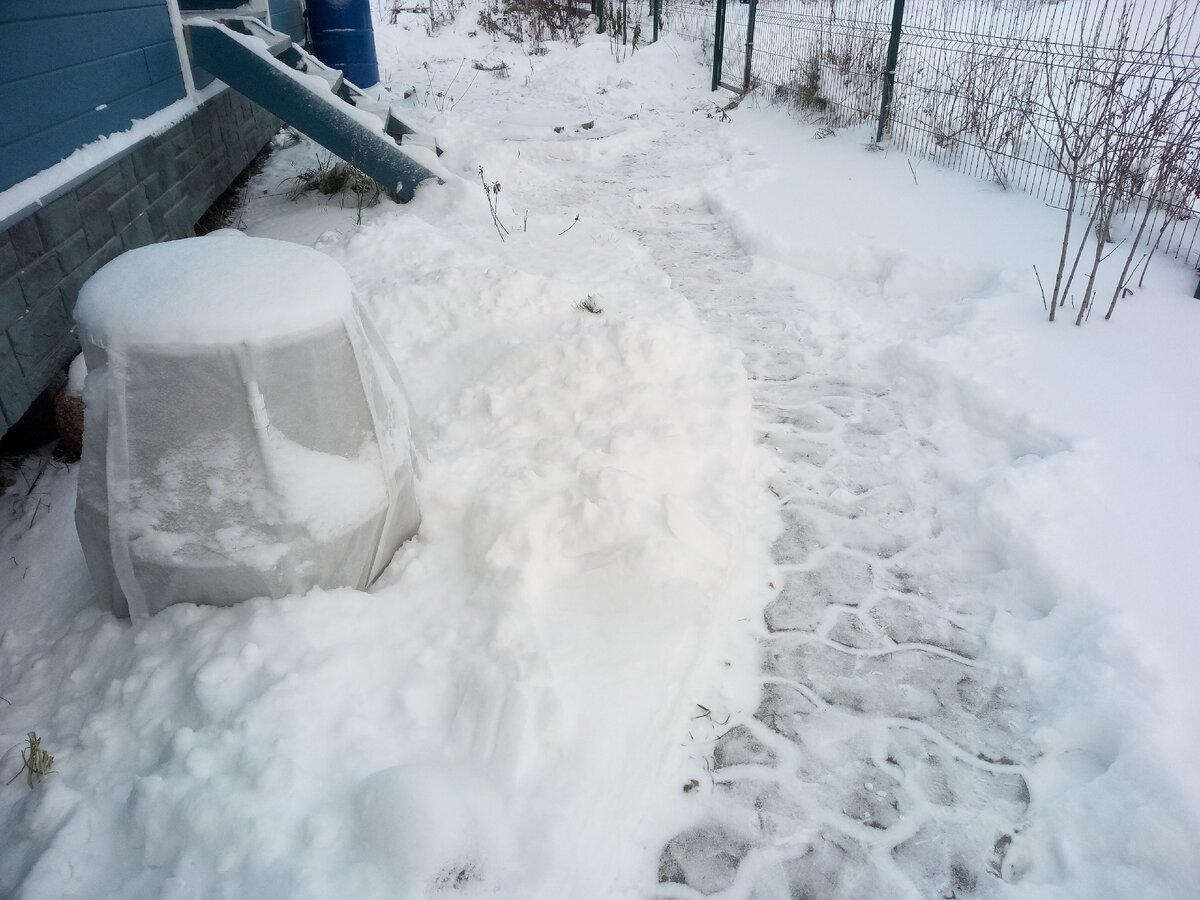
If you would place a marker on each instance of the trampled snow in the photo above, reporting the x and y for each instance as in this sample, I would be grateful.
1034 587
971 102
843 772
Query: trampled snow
816 564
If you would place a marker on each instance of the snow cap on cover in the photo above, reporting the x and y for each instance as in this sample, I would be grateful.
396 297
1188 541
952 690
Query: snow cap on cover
219 289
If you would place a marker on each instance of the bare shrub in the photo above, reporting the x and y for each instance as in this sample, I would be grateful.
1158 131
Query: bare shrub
332 177
838 77
532 21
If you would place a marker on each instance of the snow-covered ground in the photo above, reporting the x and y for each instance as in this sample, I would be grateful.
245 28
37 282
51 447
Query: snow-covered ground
816 565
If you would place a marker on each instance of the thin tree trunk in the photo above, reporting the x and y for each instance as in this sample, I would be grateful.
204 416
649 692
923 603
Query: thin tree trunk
1137 242
1110 205
1062 256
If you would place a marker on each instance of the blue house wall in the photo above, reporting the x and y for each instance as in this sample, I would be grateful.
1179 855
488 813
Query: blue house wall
288 16
74 70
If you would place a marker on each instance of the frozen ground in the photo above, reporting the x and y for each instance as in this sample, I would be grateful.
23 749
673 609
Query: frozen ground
815 566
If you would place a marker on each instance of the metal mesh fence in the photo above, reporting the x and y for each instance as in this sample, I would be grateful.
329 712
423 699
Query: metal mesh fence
1087 104
692 18
823 59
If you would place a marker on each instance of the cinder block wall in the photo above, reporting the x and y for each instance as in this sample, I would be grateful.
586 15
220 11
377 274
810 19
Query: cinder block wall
156 191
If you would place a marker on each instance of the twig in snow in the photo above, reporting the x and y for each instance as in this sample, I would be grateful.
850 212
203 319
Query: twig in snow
1112 251
914 173
1045 305
707 714
490 191
466 90
569 227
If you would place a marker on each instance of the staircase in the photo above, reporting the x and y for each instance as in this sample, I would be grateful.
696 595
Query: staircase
268 68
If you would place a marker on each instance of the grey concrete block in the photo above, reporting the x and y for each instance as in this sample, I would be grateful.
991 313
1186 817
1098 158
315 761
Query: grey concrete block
53 361
129 207
26 241
168 198
180 222
138 233
143 160
8 258
128 172
97 223
198 188
166 167
105 187
69 287
14 392
205 146
41 278
109 251
36 334
12 302
59 220
153 184
158 220
73 252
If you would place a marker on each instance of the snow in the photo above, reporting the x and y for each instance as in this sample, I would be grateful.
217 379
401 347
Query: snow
76 375
817 564
212 291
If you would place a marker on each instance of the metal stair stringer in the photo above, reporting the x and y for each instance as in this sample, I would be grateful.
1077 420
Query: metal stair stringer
310 96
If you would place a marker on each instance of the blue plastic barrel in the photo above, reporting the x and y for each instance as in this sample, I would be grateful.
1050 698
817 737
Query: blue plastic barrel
343 38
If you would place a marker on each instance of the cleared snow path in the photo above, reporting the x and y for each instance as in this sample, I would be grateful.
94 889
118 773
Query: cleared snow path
895 748
887 754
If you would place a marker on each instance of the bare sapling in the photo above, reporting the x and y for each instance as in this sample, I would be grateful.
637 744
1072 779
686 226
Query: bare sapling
1071 142
491 190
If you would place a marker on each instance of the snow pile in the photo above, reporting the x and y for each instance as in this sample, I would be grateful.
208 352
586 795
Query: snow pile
506 713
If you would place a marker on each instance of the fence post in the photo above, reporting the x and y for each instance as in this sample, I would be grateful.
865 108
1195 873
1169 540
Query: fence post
624 22
889 72
656 14
598 9
718 44
749 45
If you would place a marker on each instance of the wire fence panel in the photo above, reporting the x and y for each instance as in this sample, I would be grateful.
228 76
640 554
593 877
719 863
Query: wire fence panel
1081 103
823 57
1090 105
691 18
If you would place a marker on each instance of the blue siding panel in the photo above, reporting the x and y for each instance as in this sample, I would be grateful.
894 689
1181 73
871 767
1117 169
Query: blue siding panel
68 93
162 60
30 155
75 70
14 11
41 45
288 16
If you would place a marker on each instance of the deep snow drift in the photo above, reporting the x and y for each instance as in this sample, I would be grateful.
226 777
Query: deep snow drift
767 564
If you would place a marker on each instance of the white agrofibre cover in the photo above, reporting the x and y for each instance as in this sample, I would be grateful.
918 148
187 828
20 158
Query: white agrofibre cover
246 434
